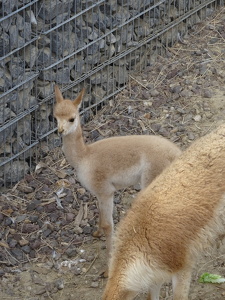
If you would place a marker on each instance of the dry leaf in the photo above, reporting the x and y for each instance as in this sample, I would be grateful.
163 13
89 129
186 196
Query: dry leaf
4 244
63 162
39 167
63 183
48 201
7 212
79 216
61 174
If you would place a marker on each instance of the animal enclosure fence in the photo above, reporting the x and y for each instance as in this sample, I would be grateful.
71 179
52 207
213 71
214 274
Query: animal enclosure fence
75 43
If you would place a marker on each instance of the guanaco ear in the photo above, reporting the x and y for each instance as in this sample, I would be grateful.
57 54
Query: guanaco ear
77 101
58 94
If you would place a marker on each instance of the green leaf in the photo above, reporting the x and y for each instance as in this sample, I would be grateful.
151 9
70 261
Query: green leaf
211 278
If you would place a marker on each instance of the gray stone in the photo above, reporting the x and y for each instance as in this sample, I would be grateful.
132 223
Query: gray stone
8 221
121 75
98 93
87 229
122 14
118 49
34 218
31 55
42 128
76 6
126 34
64 43
63 76
5 113
109 85
8 7
91 18
60 18
203 69
14 171
44 111
109 8
154 93
24 129
111 38
17 253
44 90
76 64
26 249
197 118
59 283
5 80
191 136
176 89
186 93
47 232
93 59
102 44
12 243
24 100
5 24
71 251
33 205
16 68
7 133
83 32
18 145
111 50
75 75
137 5
94 284
16 41
20 22
39 290
28 79
100 77
207 93
32 18
142 28
45 57
49 9
93 36
92 49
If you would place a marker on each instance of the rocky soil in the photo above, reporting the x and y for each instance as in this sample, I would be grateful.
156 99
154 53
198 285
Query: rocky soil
46 246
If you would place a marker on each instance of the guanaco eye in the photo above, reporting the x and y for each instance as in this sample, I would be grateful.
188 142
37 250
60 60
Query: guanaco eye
71 120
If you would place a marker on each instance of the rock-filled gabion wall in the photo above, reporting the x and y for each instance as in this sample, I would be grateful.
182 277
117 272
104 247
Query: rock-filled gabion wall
74 43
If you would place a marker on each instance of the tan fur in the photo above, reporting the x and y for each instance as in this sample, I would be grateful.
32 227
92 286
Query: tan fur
110 164
169 224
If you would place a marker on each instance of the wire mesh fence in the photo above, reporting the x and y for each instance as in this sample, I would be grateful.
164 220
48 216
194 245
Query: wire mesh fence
75 43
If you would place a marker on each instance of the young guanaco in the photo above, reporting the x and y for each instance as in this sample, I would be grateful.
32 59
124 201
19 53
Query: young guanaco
170 223
110 164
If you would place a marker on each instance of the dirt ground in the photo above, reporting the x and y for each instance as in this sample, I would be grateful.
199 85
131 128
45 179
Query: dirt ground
46 247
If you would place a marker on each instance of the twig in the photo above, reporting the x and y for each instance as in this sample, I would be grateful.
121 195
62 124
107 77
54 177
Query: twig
96 256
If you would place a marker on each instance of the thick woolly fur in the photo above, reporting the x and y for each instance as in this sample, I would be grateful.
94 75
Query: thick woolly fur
170 223
110 164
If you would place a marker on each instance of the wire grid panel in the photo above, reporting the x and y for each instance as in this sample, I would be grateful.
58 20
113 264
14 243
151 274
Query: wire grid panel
74 43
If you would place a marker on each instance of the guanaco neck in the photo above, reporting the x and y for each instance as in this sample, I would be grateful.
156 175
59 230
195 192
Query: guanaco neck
74 146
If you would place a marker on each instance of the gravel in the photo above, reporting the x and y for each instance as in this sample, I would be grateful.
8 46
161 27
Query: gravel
178 98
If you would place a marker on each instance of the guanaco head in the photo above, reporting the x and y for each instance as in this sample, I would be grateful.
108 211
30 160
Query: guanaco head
66 112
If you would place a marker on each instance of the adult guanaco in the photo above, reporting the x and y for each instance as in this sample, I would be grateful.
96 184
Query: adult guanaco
170 223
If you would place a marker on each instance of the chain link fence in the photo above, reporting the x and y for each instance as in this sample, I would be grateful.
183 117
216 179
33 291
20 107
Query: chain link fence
75 43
